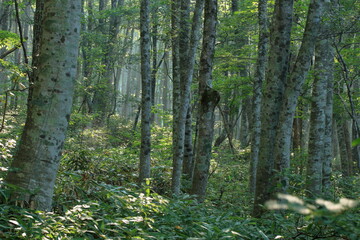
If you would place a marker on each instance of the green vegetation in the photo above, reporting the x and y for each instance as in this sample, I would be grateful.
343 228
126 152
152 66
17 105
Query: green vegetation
96 198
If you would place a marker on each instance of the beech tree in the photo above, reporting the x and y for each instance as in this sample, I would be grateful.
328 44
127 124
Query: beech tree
144 166
34 168
293 88
188 40
277 159
209 98
320 142
257 90
277 69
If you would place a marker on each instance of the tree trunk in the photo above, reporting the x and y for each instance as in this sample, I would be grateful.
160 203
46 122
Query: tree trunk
35 165
326 46
344 156
318 119
187 50
293 88
209 98
4 15
326 52
154 51
178 140
277 70
259 79
144 166
188 162
244 123
184 97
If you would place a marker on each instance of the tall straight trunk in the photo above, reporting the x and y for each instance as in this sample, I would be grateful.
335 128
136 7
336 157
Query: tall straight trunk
187 50
35 165
325 45
209 98
177 141
154 42
323 83
258 81
179 133
293 88
277 70
318 120
188 163
144 166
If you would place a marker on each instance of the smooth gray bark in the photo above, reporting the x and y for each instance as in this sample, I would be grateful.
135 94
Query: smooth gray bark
144 166
35 165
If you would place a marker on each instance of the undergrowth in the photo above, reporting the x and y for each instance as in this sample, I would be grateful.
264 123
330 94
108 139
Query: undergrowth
96 196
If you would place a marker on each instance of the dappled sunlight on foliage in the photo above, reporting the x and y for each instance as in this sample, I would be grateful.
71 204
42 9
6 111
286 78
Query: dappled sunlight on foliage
320 218
96 196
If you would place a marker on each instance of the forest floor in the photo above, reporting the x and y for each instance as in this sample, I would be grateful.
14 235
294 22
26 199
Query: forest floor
96 195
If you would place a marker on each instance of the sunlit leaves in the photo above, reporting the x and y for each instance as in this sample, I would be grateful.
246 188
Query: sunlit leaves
8 39
289 202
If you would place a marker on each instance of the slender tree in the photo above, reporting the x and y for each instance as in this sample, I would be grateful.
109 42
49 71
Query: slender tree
35 165
177 140
144 166
259 79
209 98
325 45
188 164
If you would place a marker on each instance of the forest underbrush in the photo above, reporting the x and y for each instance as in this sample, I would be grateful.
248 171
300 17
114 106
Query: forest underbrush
96 195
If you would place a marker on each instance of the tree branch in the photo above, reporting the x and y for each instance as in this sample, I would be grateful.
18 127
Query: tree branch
4 55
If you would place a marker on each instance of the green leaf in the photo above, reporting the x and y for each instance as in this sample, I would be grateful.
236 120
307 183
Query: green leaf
355 142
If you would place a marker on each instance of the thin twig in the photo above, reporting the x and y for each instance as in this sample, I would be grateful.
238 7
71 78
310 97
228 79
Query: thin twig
4 55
